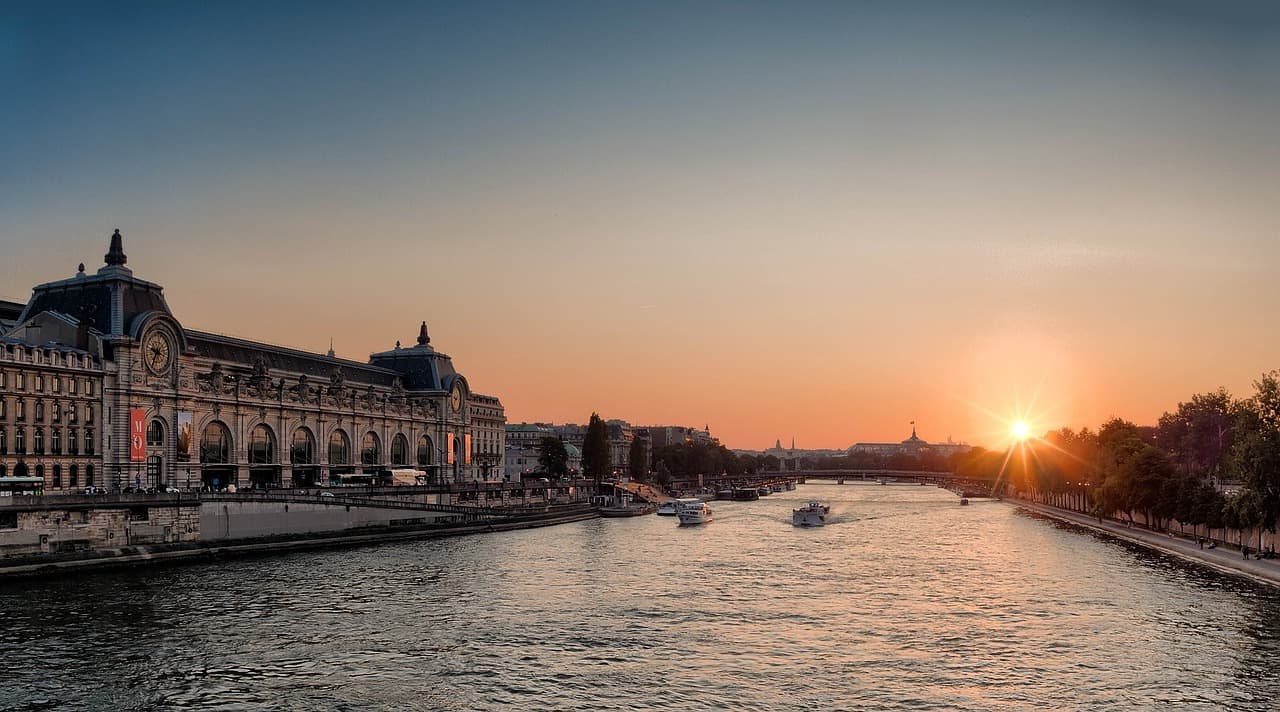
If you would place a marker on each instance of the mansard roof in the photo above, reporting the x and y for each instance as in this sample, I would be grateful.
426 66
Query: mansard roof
231 350
108 300
423 367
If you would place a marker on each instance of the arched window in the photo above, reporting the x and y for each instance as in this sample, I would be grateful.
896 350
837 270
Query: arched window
39 441
20 469
155 433
215 444
4 441
40 471
370 449
425 450
2 469
55 441
20 441
88 475
339 449
57 475
39 411
75 475
73 445
399 450
303 449
262 446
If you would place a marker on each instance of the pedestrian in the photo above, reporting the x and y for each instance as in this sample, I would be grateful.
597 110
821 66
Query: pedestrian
1200 541
1244 550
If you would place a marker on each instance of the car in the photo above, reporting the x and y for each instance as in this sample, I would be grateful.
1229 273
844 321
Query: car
326 494
171 490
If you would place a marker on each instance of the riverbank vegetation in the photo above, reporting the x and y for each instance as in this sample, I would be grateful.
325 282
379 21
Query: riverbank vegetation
1212 462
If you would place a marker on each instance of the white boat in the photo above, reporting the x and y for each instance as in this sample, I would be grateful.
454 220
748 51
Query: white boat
699 513
813 514
672 507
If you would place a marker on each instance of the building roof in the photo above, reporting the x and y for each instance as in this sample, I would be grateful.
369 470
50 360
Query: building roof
283 358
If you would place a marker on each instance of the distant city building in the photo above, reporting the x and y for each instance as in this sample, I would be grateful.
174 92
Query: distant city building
100 384
913 445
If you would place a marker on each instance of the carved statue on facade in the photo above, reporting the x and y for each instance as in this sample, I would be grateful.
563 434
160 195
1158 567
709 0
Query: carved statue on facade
215 381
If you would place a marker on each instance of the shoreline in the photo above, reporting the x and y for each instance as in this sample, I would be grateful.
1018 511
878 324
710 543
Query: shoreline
1227 561
172 555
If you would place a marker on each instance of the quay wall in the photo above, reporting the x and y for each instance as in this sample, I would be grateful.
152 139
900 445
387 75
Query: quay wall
1223 559
222 521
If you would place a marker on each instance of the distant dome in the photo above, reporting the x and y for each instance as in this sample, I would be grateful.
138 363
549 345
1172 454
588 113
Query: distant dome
572 450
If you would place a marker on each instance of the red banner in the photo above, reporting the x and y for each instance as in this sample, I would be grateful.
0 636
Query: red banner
467 452
137 435
452 450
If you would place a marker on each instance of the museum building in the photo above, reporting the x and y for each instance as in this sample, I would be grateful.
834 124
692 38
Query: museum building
101 385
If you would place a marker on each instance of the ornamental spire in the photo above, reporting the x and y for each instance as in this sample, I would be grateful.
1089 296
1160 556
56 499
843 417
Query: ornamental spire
423 339
115 254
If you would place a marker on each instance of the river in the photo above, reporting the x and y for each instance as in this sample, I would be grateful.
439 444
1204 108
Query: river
906 601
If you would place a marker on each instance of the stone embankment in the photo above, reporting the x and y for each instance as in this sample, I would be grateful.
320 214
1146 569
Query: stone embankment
1225 559
227 548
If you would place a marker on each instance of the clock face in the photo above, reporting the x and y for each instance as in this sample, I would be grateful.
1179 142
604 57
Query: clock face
455 398
157 353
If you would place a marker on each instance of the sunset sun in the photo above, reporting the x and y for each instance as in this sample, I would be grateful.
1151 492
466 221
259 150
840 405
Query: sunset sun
1020 430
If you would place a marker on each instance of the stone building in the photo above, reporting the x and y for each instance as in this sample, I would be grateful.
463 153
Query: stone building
186 408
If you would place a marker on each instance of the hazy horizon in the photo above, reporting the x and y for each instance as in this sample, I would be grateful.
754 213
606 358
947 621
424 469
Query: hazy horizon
819 220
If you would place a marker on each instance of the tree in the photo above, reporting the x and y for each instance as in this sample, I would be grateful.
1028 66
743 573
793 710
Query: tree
595 450
552 456
637 463
1255 455
1199 434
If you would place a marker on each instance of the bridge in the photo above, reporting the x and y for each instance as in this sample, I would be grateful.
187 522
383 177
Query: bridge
962 486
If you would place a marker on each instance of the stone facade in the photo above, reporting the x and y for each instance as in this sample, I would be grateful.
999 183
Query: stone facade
218 412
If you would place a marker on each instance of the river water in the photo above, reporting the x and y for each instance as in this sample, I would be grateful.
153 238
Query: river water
907 601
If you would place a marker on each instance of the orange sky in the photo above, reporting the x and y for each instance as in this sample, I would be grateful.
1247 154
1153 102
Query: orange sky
808 225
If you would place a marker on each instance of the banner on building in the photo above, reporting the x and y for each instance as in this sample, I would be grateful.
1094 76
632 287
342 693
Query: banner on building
185 425
137 435
453 451
466 453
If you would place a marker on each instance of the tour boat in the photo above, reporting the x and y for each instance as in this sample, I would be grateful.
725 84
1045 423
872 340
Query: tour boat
813 514
745 494
672 507
699 513
764 491
633 510
724 494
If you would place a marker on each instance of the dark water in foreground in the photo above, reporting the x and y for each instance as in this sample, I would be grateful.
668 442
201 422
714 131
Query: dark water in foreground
908 601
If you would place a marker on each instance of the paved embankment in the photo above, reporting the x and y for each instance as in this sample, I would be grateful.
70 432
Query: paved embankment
1226 560
145 555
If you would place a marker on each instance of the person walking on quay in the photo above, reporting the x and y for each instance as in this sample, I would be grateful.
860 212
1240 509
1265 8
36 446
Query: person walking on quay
1244 551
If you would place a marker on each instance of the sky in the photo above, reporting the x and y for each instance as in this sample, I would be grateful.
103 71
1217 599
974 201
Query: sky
793 219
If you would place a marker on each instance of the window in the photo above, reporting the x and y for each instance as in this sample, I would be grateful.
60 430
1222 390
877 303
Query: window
88 441
40 471
55 441
71 413
399 450
57 384
339 449
40 382
155 432
262 446
57 475
303 449
75 475
215 444
370 449
424 451
20 441
73 445
39 411
4 379
88 385
88 413
88 475
4 409
4 441
39 441
55 415
71 386
22 409
20 382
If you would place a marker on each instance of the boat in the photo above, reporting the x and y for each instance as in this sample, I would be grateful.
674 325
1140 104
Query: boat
778 487
726 493
699 513
791 485
764 490
964 501
813 514
745 494
671 507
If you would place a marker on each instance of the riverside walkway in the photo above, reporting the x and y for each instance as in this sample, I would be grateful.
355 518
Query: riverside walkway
1226 560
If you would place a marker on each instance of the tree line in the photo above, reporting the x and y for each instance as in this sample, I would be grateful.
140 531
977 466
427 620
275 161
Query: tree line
1214 461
